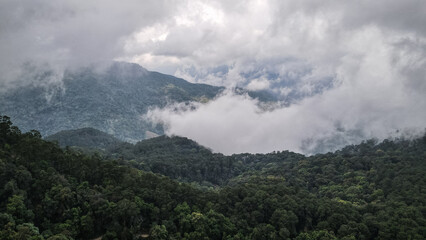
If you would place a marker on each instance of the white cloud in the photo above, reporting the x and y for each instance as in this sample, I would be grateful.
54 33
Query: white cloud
359 65
372 99
69 33
258 84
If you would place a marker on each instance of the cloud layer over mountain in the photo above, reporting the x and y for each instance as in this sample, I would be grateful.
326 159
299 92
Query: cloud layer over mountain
357 69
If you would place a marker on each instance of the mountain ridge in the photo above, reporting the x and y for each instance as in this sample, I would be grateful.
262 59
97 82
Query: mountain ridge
84 138
365 191
112 99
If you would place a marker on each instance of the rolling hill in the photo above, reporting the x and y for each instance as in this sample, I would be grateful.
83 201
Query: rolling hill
366 191
84 138
112 100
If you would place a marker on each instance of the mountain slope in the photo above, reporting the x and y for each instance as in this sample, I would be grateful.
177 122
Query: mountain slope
112 100
367 191
176 157
85 138
183 159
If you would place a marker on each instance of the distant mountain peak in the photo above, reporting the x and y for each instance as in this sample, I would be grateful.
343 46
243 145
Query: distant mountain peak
110 97
127 69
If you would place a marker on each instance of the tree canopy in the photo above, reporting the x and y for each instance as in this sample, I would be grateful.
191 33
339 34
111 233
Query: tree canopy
366 191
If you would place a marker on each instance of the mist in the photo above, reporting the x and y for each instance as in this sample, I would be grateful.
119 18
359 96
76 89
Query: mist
373 97
344 71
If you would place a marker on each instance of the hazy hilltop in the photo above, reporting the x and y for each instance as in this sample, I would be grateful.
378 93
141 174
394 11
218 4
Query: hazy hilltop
236 120
85 138
112 100
176 157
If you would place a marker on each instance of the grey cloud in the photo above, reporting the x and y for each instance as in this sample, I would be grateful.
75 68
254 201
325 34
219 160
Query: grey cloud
70 33
358 67
376 77
310 31
401 15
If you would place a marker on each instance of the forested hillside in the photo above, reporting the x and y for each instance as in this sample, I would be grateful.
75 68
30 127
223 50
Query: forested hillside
368 191
89 138
185 160
112 99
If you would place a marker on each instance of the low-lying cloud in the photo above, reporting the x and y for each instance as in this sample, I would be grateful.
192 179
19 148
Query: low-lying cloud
373 97
345 70
235 123
68 34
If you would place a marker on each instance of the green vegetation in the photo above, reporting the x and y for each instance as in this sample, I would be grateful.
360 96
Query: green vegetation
84 138
112 100
367 191
183 159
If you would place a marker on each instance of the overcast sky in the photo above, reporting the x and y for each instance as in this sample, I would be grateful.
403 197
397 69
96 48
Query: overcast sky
360 65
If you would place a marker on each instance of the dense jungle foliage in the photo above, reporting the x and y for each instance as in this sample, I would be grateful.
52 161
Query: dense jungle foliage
88 139
368 191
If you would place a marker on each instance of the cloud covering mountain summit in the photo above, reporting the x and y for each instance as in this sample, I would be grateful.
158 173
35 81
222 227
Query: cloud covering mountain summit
345 71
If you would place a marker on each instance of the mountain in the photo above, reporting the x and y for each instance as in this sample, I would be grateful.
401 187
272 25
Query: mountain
84 138
112 100
177 157
185 160
366 191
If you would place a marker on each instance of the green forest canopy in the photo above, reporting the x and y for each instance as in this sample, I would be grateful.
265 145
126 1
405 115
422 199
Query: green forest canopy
366 191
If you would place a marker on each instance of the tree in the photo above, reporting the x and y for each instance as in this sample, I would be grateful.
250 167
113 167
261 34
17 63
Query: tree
263 231
18 210
158 232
